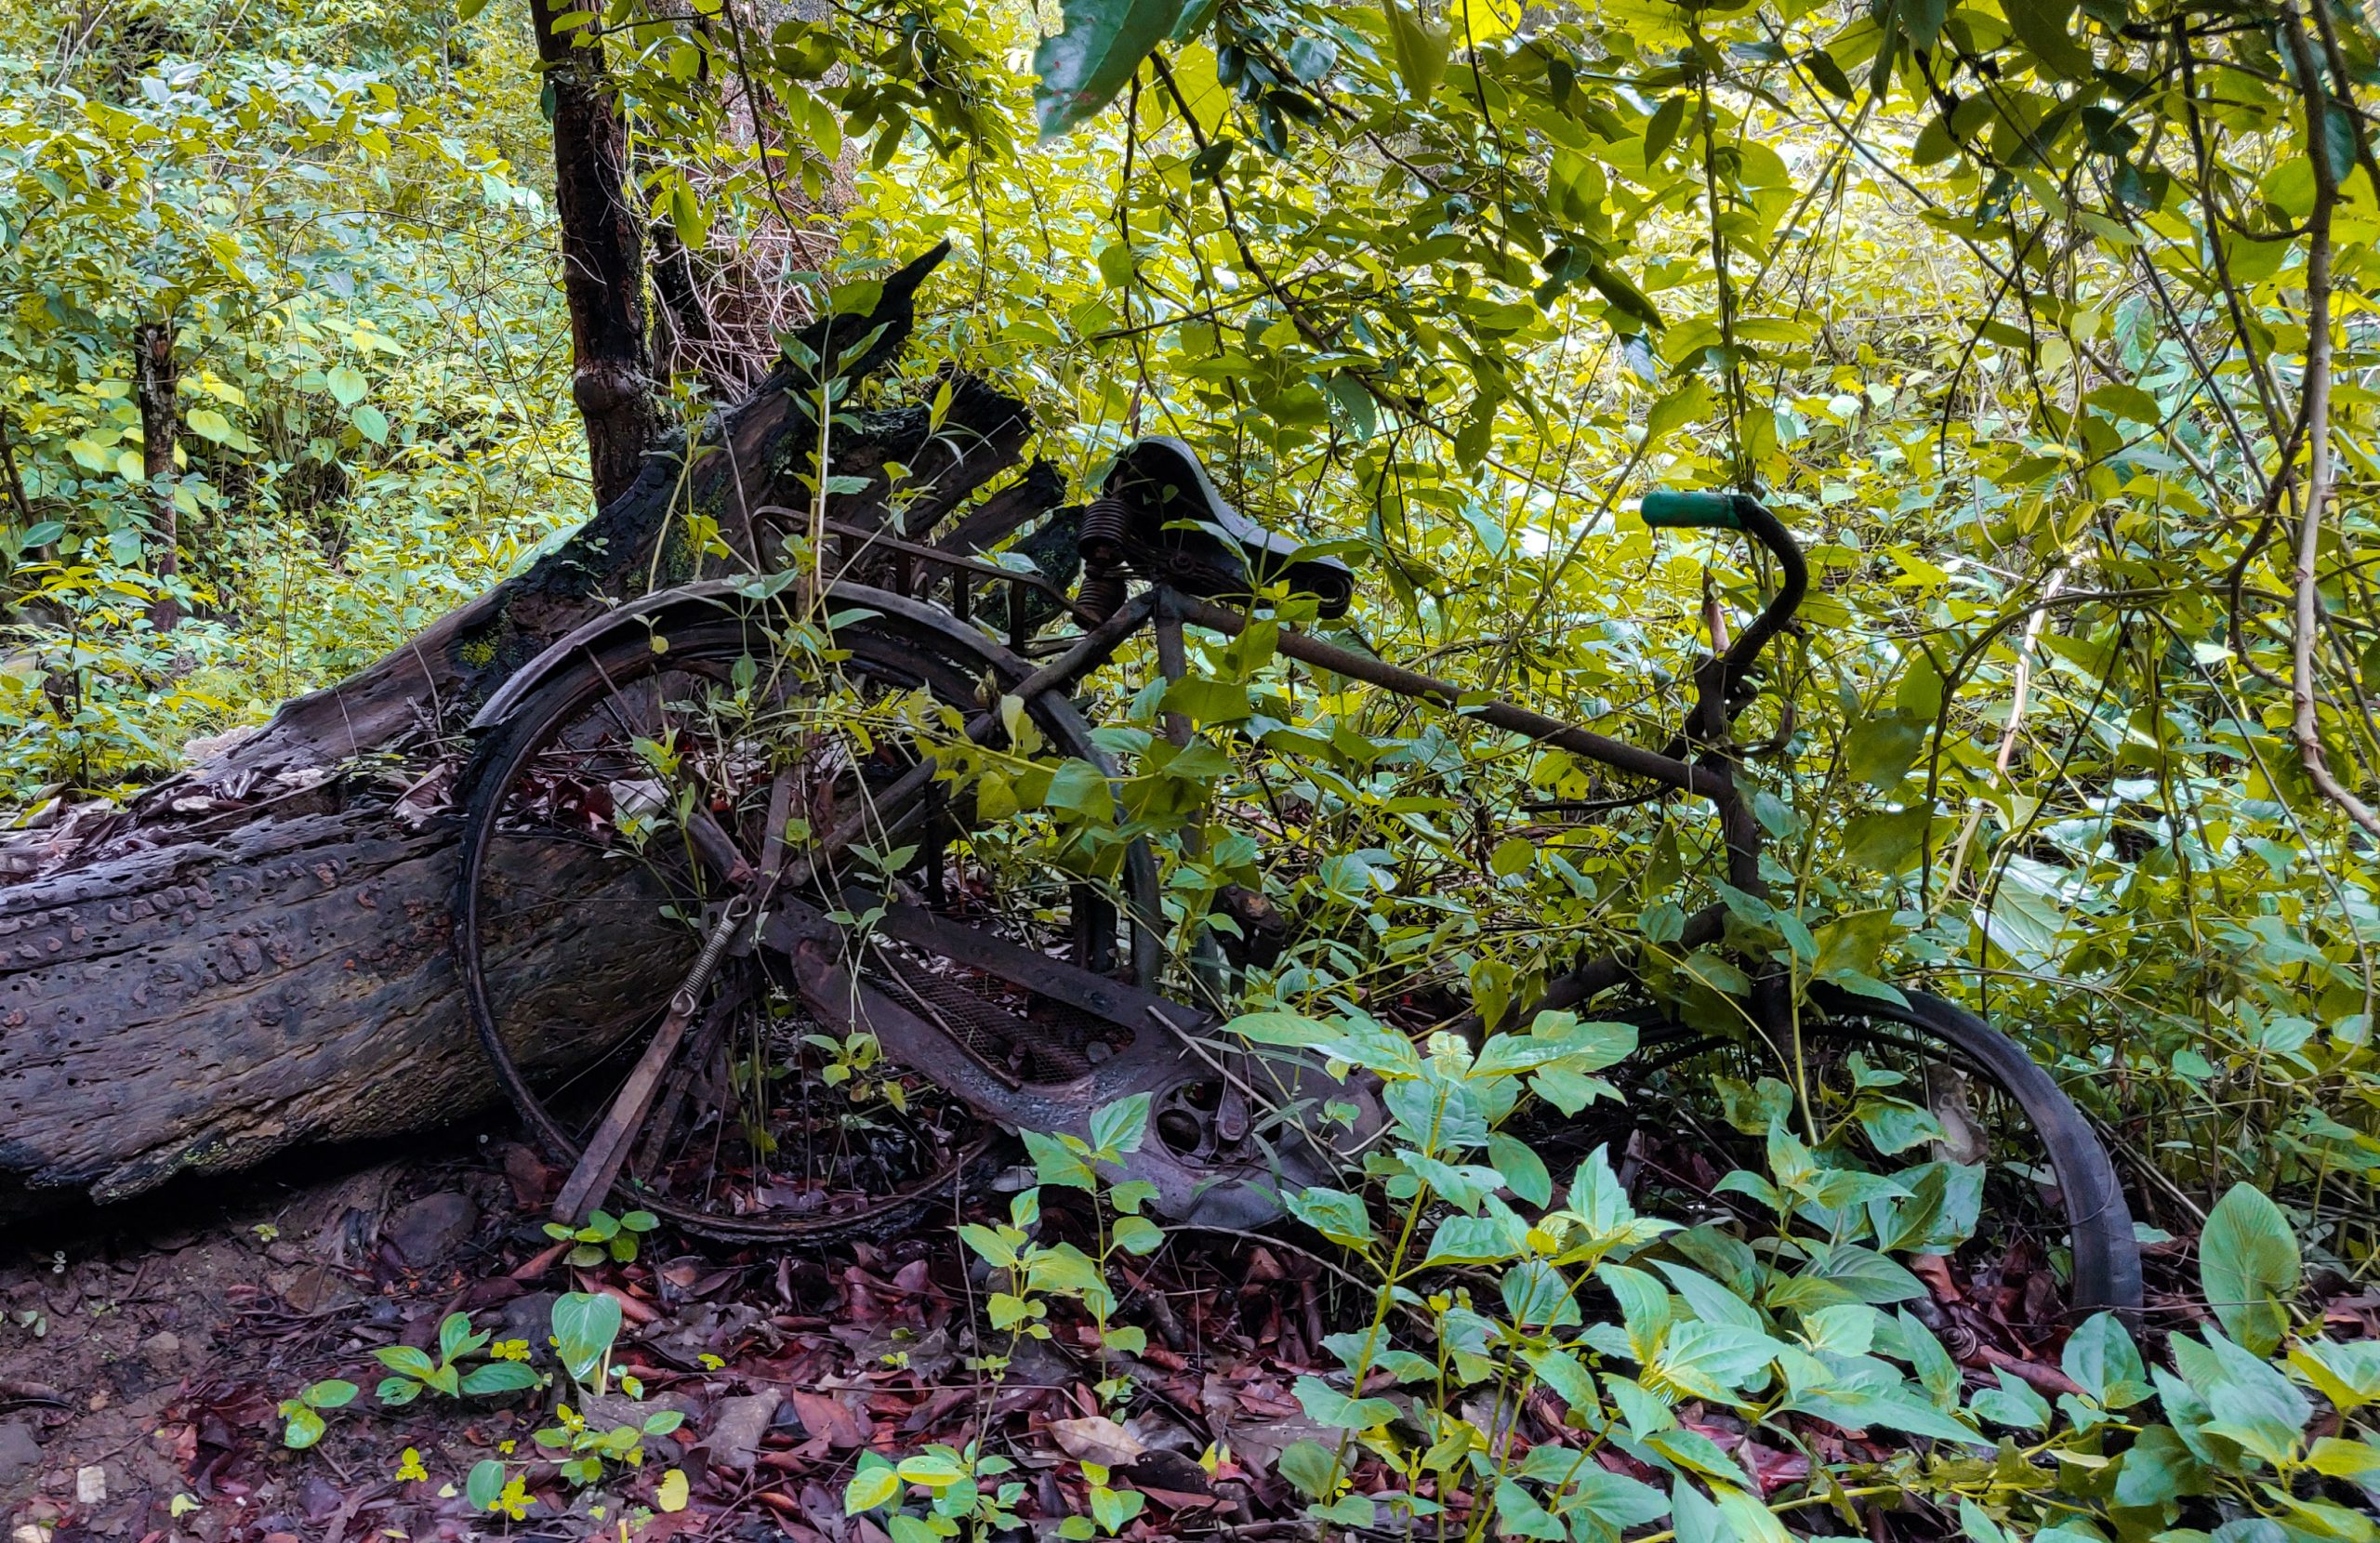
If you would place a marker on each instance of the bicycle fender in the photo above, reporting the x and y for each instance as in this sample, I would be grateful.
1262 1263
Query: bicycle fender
657 613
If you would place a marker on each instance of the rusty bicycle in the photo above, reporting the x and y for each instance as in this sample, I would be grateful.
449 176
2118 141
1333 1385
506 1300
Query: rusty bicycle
838 964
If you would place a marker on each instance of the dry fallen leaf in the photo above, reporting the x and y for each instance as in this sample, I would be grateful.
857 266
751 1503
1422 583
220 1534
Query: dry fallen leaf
1095 1439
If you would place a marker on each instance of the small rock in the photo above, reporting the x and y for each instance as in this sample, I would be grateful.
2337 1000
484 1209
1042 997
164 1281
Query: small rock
162 1349
90 1486
19 1453
736 1426
530 1318
320 1496
28 1532
431 1227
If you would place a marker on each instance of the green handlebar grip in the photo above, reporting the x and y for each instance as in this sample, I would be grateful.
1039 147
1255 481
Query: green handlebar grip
1667 508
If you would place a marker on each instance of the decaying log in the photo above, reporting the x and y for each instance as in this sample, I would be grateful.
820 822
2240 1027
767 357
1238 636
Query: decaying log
254 955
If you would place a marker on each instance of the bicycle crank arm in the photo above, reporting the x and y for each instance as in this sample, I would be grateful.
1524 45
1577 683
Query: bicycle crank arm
1225 1124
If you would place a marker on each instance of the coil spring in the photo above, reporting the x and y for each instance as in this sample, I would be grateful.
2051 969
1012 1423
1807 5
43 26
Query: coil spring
1101 595
1100 540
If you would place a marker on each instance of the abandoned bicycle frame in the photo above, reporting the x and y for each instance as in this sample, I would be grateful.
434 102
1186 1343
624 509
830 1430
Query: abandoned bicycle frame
556 783
1699 761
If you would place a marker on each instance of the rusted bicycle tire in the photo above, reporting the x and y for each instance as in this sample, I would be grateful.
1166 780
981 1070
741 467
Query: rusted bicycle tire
953 664
2076 1194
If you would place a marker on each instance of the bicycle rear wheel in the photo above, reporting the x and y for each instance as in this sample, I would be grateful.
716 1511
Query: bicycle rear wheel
1884 1086
659 780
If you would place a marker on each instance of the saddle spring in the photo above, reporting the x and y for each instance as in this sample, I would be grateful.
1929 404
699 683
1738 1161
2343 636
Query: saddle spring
1101 542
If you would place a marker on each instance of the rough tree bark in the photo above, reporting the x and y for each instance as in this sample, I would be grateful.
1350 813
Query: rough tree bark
254 955
603 255
156 378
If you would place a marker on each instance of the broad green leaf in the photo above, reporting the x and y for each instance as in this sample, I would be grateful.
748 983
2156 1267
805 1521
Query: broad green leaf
1420 48
1327 1405
2248 1268
585 1324
1524 1171
484 1484
498 1377
2046 27
876 1483
1099 44
1120 1126
1340 1217
302 1426
346 384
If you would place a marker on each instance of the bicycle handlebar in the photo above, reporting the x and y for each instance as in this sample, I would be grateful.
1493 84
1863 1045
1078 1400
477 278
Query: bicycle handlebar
1666 508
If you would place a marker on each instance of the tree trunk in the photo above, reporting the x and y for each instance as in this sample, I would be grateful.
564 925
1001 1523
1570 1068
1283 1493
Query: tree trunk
156 378
254 955
603 255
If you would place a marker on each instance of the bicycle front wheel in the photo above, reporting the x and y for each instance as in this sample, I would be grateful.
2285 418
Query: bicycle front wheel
1882 1085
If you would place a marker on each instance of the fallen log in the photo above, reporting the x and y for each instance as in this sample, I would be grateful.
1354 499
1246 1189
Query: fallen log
252 955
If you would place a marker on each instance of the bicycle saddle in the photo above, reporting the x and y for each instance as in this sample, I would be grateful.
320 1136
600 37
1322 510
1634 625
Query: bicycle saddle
1157 483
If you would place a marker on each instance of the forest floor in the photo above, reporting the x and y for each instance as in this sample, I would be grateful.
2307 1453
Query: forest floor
145 1353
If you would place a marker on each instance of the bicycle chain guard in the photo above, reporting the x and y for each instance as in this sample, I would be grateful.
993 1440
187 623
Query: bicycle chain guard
1230 1126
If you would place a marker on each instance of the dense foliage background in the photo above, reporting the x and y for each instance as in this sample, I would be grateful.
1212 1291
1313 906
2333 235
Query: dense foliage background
2046 327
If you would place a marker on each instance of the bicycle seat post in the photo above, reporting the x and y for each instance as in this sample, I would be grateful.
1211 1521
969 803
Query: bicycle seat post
1206 961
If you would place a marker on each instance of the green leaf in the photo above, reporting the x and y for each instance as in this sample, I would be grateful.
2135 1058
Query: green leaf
208 424
585 1324
304 1427
1661 129
1309 1465
1881 751
406 1360
1681 406
484 1484
370 422
1921 21
1099 44
1078 788
346 384
2100 1354
1337 1214
1828 74
1281 1028
2248 1268
499 1377
1713 1360
1137 1234
1119 1127
1854 1410
1327 1405
1891 842
1524 1171
2012 1404
1420 48
876 1483
1473 1240
2043 27
332 1393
